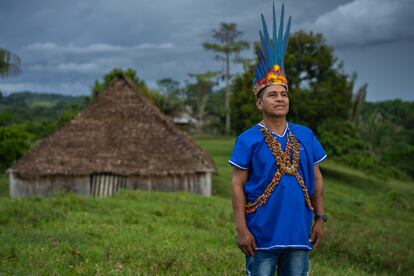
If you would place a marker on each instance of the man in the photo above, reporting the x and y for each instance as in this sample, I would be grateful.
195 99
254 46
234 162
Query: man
277 184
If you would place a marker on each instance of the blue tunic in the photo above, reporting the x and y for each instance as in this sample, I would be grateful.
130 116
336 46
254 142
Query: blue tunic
285 220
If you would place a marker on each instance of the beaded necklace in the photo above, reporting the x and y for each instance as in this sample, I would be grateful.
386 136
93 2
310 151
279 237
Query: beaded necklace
285 166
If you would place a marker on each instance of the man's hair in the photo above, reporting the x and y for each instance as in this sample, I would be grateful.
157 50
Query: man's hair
259 94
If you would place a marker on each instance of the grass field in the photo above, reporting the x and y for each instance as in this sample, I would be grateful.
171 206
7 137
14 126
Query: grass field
369 231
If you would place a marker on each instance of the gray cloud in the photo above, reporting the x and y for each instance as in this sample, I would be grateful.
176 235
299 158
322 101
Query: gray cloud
93 48
367 23
66 45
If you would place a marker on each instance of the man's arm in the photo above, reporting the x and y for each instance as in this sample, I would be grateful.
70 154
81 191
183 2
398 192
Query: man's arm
317 202
245 239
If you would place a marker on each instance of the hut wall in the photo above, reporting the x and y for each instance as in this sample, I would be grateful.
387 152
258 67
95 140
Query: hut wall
106 184
197 183
44 186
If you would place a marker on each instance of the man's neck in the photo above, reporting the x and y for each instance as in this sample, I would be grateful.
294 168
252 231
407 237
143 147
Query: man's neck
277 125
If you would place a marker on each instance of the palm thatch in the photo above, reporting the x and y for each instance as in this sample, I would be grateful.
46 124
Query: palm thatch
120 132
9 63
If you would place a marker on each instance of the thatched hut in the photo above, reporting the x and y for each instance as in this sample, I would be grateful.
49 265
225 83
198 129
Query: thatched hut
121 140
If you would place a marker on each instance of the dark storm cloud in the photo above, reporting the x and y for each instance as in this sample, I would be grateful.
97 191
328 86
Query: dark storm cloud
367 23
66 45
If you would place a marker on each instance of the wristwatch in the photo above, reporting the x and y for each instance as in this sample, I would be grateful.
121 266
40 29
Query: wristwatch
323 217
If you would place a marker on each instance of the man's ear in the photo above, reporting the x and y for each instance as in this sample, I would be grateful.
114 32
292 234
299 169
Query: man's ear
259 103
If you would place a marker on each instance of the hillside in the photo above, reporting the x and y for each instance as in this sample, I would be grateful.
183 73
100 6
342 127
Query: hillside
38 99
25 107
368 232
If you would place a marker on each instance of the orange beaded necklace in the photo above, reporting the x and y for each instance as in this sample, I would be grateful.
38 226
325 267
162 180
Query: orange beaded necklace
285 166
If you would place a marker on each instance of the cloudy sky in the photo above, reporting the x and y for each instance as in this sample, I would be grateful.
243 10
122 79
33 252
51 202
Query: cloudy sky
66 45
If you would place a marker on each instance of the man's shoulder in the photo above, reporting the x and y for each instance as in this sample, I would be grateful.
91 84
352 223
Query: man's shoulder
300 129
251 135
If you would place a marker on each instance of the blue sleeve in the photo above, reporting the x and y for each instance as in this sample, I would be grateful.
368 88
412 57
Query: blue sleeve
319 154
241 155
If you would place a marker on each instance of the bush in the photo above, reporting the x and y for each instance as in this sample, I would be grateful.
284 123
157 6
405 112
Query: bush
14 143
343 140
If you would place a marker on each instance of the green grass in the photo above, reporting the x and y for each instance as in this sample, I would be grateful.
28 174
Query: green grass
135 232
4 186
132 232
220 150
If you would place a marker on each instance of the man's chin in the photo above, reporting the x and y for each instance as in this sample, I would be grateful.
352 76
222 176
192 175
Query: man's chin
278 115
280 112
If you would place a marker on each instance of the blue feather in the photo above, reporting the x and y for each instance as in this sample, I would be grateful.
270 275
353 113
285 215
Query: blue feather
280 38
275 53
260 66
286 38
267 42
272 50
285 42
257 76
266 48
262 40
265 31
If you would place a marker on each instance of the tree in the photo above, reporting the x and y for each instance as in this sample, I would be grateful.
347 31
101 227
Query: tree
6 118
14 143
216 113
228 45
358 103
387 126
170 98
308 60
344 140
116 73
198 93
319 88
167 99
9 63
244 111
169 87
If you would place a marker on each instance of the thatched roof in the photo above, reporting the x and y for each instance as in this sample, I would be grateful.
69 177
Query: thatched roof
120 132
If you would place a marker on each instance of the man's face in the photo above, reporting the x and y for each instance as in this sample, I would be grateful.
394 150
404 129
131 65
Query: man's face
274 101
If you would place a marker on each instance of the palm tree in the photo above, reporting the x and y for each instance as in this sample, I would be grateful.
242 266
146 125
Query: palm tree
9 63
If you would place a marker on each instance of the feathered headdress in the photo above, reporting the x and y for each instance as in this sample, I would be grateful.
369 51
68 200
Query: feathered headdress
270 68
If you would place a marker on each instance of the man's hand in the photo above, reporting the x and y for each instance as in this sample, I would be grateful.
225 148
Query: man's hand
317 233
246 242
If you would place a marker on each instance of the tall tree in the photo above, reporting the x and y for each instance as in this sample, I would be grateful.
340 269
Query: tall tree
318 86
308 60
227 46
198 93
9 63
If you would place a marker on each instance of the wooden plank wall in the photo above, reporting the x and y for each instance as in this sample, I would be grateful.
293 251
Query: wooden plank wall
106 184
